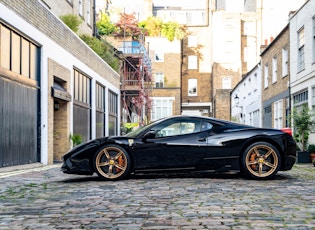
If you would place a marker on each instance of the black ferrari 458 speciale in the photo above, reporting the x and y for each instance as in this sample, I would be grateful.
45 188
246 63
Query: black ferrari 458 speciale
185 143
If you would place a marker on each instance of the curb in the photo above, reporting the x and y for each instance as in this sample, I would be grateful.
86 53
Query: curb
20 169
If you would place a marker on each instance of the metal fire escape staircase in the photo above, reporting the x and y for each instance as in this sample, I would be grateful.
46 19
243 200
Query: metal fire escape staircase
136 82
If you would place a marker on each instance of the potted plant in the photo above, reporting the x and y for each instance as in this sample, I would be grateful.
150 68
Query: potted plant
76 139
302 125
311 149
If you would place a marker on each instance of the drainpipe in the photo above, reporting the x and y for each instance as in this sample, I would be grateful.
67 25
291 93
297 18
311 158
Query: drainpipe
94 19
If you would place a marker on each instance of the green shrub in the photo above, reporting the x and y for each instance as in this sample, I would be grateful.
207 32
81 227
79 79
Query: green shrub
72 21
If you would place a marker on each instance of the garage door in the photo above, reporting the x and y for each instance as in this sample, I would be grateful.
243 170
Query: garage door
18 124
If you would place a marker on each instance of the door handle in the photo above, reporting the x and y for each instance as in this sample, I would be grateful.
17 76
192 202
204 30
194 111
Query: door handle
202 139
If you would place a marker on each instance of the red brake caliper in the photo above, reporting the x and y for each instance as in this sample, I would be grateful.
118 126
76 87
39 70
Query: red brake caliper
252 158
120 163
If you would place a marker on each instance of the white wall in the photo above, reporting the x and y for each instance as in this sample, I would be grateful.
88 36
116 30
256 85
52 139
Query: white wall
50 49
304 79
249 93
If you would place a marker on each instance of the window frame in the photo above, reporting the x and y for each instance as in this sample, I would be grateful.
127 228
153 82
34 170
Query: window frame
159 80
285 61
192 62
192 87
301 51
274 69
266 75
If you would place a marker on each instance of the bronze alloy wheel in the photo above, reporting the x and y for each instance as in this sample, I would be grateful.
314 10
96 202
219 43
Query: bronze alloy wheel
262 161
112 162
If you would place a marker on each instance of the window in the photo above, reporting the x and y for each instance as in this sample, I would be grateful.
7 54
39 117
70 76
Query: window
285 62
274 70
267 109
313 104
249 28
192 87
254 118
88 12
25 58
278 114
181 127
314 39
300 98
162 107
181 17
226 83
80 8
100 110
159 80
112 113
266 76
192 62
5 47
301 42
196 18
159 56
18 54
15 53
82 105
192 41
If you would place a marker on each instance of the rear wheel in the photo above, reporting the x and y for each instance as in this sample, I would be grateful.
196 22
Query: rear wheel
112 162
261 161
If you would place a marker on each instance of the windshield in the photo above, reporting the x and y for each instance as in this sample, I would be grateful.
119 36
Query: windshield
138 131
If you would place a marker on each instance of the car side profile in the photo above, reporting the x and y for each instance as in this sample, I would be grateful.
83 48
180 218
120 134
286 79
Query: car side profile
186 143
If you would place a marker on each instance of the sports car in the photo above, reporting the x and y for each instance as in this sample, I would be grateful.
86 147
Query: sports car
185 143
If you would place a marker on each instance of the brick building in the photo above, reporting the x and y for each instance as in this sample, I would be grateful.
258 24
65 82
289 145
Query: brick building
166 89
275 81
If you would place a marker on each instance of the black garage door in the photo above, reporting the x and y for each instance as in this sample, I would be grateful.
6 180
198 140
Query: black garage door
18 124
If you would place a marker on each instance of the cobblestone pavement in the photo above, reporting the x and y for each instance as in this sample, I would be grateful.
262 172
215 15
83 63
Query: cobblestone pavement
45 198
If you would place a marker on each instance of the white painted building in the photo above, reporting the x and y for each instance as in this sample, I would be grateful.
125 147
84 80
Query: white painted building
302 58
246 99
68 83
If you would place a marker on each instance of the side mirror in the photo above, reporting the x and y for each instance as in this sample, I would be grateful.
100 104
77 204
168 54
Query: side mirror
148 135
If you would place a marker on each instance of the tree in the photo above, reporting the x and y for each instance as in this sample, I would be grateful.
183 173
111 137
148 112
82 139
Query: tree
104 26
128 25
154 26
172 30
302 124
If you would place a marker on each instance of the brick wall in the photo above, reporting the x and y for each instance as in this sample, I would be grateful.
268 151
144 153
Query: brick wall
275 90
40 17
58 120
222 104
204 88
63 7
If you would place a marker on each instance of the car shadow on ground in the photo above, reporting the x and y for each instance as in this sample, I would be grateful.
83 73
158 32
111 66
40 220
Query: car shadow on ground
155 176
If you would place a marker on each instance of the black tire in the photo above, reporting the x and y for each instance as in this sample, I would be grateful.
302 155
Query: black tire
112 162
261 161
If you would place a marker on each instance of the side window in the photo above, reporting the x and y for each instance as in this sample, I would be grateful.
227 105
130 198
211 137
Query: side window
206 126
179 128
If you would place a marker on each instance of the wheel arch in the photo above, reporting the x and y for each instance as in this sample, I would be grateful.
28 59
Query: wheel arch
261 139
111 144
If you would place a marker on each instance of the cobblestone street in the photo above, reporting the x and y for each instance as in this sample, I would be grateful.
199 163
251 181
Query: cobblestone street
45 198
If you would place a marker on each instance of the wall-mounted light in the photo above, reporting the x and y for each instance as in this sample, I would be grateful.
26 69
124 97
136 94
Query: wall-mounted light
237 101
56 105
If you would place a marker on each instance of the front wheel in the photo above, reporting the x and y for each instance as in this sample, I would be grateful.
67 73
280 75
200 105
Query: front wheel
112 162
261 160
